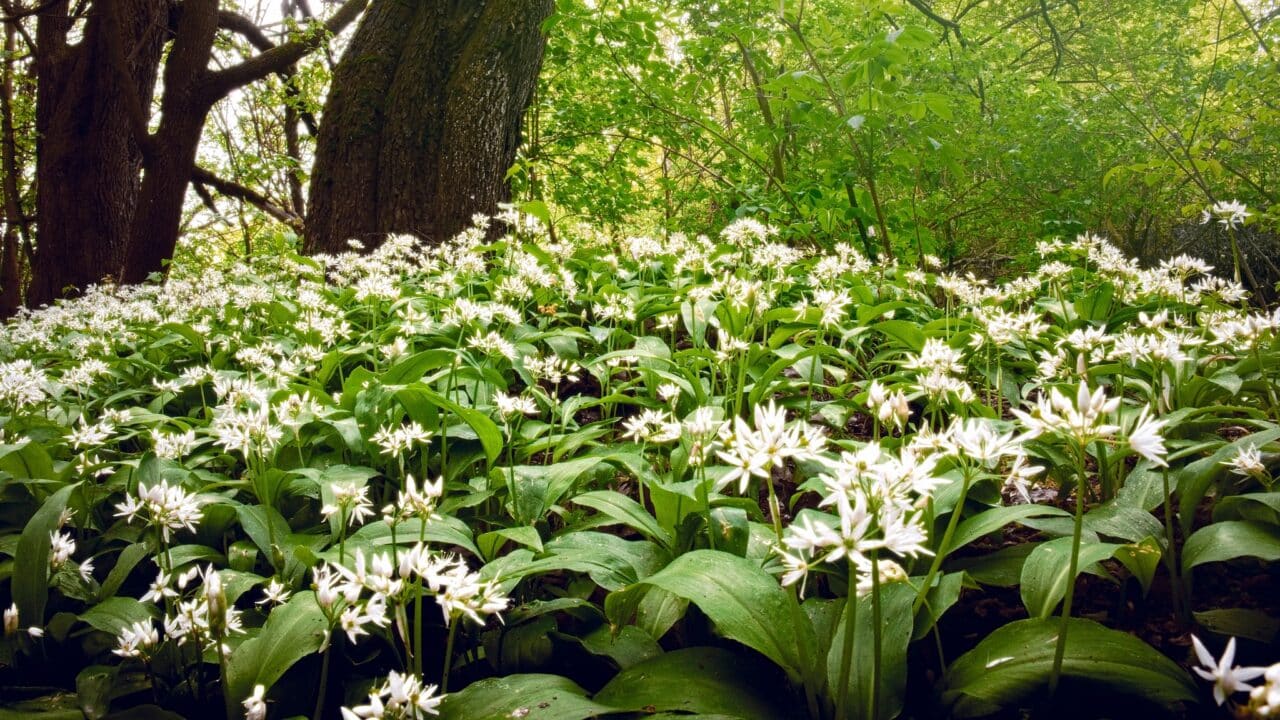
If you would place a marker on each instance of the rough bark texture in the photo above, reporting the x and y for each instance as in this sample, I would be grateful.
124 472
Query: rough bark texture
88 159
109 191
424 117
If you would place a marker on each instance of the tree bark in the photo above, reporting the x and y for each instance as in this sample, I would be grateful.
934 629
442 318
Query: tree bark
423 120
88 158
110 192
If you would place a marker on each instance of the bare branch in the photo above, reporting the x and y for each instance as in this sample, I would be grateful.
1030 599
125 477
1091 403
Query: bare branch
201 176
277 59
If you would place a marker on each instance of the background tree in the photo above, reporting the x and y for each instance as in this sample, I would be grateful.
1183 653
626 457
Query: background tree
423 118
110 188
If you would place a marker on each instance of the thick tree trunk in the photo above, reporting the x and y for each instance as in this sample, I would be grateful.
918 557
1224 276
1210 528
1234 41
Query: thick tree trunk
88 157
188 98
423 120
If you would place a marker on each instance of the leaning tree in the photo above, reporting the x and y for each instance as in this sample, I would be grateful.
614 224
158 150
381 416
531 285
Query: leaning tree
423 118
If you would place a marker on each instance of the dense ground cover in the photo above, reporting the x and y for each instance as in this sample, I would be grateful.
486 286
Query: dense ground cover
588 476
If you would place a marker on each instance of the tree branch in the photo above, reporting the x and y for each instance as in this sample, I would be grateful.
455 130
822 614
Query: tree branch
279 58
246 28
200 176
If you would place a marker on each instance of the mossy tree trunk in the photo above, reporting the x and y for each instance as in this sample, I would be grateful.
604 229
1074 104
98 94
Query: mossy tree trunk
423 120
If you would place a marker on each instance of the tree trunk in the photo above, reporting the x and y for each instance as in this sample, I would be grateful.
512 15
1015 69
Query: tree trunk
88 158
423 120
186 104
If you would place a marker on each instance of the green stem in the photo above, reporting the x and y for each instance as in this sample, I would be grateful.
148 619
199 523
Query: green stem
876 640
846 651
944 547
1171 550
324 682
448 656
1060 650
775 511
416 637
226 687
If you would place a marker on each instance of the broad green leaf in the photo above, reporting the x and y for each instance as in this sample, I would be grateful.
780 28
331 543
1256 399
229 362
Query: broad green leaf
627 647
27 461
896 627
698 680
292 631
1011 667
1142 559
532 697
117 613
1044 575
905 332
126 561
745 603
1240 622
492 541
626 511
988 521
31 565
1229 540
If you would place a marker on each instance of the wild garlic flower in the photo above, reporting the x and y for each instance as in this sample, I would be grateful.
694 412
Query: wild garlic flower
173 446
977 439
86 435
890 408
159 589
163 506
11 624
1082 419
936 356
1264 700
137 640
652 426
754 452
1145 439
874 495
22 384
350 501
255 706
205 616
1228 213
275 593
1248 462
61 547
401 697
510 406
399 440
248 431
1227 679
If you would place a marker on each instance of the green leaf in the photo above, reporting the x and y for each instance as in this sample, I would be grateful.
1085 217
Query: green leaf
1229 540
485 429
697 680
27 461
115 614
126 561
412 368
491 542
906 333
1240 622
1044 576
1142 559
1012 665
292 631
896 626
626 511
745 603
31 565
263 524
532 697
988 521
628 647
